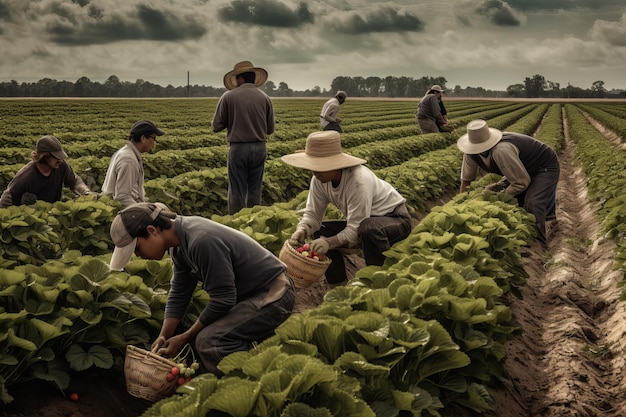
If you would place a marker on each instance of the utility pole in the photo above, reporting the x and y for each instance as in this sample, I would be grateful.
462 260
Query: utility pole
188 91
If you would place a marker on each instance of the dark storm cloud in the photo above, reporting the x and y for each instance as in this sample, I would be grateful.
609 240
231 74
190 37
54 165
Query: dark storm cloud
266 13
498 13
5 12
148 24
384 19
551 5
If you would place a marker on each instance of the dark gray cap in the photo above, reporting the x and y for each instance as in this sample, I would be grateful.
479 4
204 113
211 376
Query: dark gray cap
51 144
145 127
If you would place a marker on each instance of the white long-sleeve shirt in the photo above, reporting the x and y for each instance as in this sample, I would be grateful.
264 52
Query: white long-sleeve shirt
360 195
329 112
124 177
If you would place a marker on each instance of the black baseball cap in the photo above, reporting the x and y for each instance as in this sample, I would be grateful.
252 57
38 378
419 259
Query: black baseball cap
145 127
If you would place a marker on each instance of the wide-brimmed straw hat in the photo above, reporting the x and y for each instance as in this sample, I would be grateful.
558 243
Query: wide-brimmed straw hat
322 153
436 87
230 79
479 137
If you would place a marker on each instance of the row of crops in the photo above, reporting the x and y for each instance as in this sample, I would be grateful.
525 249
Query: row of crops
423 334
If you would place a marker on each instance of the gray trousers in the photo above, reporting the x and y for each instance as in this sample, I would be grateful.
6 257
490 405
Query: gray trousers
334 126
427 125
249 321
246 166
540 198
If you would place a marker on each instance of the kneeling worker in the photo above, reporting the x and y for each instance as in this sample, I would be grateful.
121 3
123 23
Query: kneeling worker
375 213
249 293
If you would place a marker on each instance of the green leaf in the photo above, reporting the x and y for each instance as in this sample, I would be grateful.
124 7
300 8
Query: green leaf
46 330
245 392
14 340
7 359
80 360
53 371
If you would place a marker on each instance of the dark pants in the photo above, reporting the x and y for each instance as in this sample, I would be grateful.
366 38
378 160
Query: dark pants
427 125
334 126
376 234
246 165
540 198
247 322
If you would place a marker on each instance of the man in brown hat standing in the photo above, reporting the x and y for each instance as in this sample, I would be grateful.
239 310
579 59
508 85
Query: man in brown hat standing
530 168
124 177
43 177
248 115
375 213
329 116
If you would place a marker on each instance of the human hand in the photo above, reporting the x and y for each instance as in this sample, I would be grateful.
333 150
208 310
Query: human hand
298 236
170 347
157 344
496 187
28 199
320 246
91 195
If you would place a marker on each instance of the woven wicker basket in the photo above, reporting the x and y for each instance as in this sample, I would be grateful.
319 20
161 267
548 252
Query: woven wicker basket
145 374
302 270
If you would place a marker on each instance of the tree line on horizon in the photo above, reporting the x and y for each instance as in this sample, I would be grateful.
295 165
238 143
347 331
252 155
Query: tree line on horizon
376 87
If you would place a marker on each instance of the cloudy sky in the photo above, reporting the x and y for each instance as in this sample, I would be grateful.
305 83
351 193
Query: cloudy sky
477 43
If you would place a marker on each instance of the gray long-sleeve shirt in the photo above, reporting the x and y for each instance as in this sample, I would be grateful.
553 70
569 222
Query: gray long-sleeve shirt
247 114
230 265
429 108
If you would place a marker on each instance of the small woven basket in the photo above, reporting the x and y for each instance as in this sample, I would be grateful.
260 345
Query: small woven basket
302 270
145 374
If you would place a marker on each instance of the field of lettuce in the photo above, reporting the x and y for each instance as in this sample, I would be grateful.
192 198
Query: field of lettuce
468 316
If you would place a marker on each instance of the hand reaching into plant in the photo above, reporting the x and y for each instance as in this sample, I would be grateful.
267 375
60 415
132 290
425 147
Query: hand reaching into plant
496 187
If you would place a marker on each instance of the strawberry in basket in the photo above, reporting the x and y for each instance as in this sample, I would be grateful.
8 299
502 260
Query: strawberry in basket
305 250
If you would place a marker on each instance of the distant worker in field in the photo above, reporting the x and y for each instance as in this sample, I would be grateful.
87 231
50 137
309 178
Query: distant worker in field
248 115
431 113
530 168
329 119
43 177
124 177
249 293
375 213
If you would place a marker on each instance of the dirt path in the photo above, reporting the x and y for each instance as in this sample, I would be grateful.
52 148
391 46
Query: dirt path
569 359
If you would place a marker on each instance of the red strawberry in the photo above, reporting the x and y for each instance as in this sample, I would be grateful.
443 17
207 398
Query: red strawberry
74 396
